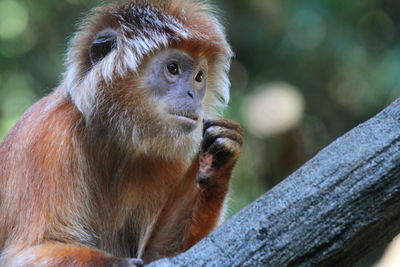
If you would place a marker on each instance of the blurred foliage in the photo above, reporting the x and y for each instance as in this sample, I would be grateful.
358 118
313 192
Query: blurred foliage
336 61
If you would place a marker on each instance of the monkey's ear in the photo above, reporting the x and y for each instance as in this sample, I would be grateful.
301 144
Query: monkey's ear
105 41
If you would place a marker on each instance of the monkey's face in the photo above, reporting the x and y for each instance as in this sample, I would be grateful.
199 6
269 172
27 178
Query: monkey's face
135 74
178 82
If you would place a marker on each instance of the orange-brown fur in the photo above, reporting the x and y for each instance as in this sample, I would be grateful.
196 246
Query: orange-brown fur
76 190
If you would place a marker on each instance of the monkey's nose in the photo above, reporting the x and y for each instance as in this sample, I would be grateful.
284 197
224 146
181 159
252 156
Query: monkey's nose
190 94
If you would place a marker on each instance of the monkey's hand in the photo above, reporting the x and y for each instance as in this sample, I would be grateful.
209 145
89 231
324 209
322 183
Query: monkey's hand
220 148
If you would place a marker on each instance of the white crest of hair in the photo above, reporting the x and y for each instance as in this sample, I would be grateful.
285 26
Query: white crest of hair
83 92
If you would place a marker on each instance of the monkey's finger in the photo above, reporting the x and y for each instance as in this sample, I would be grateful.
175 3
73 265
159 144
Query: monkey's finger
214 132
223 150
222 122
225 145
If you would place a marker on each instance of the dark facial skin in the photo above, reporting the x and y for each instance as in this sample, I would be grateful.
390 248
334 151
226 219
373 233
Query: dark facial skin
179 81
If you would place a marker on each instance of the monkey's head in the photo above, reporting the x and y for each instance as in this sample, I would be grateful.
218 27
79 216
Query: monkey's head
150 71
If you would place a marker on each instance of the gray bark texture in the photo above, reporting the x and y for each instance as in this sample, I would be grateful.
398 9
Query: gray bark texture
335 209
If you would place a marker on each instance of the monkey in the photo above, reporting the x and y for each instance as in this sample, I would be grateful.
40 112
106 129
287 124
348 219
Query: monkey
127 160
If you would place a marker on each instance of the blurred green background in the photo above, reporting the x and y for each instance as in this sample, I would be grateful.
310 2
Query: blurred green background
305 72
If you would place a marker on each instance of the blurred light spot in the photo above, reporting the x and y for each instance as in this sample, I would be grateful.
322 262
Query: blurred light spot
306 30
17 95
271 12
391 258
376 30
24 43
239 76
13 19
274 108
269 8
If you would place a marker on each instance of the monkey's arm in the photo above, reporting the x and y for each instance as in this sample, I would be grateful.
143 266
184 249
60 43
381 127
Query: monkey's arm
220 148
196 206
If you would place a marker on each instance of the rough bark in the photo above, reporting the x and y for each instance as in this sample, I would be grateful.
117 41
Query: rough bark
332 211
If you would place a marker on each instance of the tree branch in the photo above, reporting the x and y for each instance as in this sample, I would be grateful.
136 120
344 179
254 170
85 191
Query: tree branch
332 211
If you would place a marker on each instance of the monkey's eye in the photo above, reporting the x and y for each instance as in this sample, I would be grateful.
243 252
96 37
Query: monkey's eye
173 68
200 76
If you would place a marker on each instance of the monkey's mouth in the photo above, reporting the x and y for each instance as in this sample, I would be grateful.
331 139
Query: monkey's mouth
187 120
186 116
